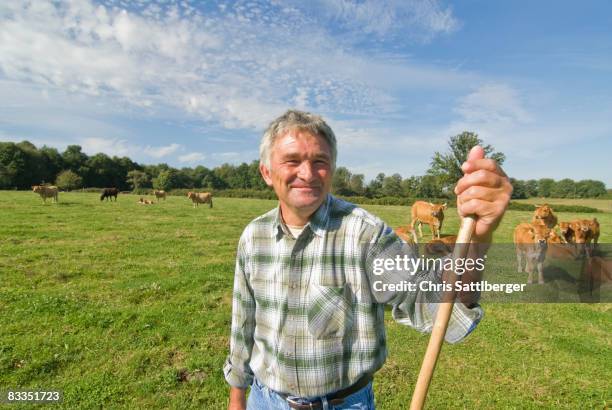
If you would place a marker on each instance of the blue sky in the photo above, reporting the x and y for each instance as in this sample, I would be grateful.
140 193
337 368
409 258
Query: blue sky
191 83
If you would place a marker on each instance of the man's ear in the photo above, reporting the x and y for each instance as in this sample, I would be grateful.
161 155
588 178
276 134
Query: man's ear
266 174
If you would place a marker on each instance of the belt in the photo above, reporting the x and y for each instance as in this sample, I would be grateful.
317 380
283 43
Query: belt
334 399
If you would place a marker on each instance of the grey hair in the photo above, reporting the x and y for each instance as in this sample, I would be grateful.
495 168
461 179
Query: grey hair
301 120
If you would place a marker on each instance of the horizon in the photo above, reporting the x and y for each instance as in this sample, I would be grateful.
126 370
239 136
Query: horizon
192 84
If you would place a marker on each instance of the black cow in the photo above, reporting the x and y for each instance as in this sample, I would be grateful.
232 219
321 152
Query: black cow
108 193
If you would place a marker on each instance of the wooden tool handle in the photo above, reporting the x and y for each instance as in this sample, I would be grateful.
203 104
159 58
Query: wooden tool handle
441 322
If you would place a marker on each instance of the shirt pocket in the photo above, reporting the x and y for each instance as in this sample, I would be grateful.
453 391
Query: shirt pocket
330 312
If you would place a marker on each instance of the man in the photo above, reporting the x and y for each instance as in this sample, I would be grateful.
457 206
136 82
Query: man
307 326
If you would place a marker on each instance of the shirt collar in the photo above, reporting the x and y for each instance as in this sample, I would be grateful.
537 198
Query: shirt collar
317 223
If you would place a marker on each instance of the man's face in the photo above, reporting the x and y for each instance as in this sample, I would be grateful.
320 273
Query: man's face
301 173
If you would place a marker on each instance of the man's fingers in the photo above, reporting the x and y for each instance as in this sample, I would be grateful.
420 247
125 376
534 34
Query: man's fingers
484 163
484 193
479 178
475 153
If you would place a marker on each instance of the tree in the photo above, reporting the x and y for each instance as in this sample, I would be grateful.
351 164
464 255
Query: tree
137 179
166 180
356 184
566 188
68 180
447 167
341 181
545 187
589 188
392 185
374 188
519 190
531 188
429 186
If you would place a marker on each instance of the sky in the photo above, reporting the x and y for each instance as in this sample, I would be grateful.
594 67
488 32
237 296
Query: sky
196 83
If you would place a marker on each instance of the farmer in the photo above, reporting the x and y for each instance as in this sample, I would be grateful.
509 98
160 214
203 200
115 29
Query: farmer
307 326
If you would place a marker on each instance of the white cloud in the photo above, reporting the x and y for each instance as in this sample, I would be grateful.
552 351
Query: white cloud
109 146
421 19
192 157
493 103
160 152
215 64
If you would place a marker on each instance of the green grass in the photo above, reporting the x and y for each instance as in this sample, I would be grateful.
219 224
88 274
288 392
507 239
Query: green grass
123 305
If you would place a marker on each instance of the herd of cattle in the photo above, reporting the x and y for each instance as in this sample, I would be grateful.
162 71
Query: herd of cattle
534 241
197 198
537 240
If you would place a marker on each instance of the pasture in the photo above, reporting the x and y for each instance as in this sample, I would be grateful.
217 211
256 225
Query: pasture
122 305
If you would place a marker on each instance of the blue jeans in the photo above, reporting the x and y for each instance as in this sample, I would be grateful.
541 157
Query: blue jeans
262 398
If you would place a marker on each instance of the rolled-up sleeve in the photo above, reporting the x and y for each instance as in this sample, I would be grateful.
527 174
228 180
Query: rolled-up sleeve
415 308
236 369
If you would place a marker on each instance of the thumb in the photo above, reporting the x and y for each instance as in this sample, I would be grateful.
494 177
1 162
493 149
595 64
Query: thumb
477 152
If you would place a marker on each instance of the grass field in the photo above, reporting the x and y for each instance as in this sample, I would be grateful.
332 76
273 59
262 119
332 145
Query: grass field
122 305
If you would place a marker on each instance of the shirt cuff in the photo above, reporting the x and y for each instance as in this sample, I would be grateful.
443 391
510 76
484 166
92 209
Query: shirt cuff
462 322
236 377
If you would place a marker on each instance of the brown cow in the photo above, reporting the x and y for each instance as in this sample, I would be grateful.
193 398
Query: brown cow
593 226
431 214
578 233
544 213
143 201
530 241
200 198
46 192
159 194
442 246
596 271
558 248
406 234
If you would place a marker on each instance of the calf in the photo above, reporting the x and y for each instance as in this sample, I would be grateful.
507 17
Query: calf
200 198
143 201
544 213
442 246
406 234
46 192
159 194
530 241
108 193
431 214
596 271
579 233
592 225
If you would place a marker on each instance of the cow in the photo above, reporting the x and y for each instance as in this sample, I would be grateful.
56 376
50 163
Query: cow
406 234
593 226
46 192
159 194
143 201
558 248
431 214
108 193
579 233
567 231
442 246
200 198
530 241
595 272
545 214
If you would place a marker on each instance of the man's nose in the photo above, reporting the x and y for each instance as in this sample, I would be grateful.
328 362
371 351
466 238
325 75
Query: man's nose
305 171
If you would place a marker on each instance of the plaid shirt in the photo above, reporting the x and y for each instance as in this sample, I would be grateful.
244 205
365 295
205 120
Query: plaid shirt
306 320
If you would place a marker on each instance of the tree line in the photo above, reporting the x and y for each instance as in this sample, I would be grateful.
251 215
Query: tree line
23 165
